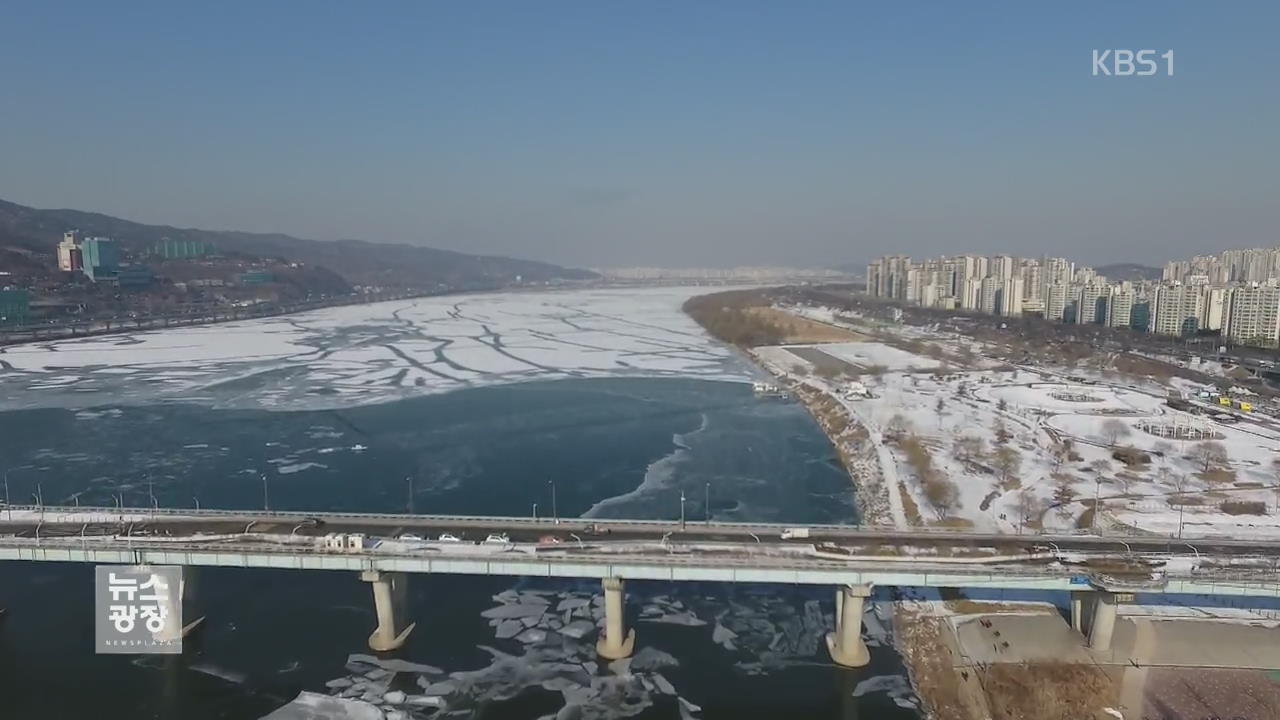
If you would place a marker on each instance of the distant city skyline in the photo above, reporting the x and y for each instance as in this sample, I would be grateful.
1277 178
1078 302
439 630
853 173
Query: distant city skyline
1234 294
662 134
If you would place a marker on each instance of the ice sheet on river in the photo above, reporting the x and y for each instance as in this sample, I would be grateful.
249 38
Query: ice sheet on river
545 641
313 706
338 357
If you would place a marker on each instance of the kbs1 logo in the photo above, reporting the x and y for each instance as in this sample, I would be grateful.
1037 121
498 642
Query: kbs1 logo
1123 63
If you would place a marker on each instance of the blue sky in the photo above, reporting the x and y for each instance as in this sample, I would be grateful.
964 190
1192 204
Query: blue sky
671 133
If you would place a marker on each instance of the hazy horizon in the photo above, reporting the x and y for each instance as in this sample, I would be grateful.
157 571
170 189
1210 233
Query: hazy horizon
662 134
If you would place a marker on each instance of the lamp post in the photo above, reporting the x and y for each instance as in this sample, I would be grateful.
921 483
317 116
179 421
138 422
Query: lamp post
1097 497
706 503
682 511
535 512
8 507
555 510
409 479
266 499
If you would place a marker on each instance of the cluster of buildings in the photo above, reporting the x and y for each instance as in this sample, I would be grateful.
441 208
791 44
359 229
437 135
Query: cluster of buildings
1236 294
735 274
101 260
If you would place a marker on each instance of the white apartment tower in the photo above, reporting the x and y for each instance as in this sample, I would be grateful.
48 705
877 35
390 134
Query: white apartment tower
1120 307
1055 302
1253 314
1011 296
989 295
1177 310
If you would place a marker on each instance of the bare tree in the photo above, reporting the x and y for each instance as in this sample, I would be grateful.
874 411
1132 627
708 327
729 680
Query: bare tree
1211 455
968 448
1028 506
1114 430
1063 496
1001 432
1163 451
1002 405
898 426
1100 467
1007 461
1275 469
942 494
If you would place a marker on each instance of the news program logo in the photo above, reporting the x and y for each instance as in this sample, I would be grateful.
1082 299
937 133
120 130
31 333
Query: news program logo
138 610
1132 63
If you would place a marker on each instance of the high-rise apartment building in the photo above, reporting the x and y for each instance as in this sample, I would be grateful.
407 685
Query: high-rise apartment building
989 295
1253 315
101 256
1120 307
1011 296
1055 303
1177 310
1091 303
70 257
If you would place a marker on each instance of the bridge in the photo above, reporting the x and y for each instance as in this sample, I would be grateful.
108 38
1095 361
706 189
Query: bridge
385 549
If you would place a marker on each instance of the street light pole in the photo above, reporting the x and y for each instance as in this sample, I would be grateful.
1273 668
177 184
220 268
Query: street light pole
535 511
409 479
555 510
266 499
1097 496
682 511
8 507
706 504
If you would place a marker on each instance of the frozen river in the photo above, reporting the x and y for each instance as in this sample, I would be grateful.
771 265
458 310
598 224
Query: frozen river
615 396
355 355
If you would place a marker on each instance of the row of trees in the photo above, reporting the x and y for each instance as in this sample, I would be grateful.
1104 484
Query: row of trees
731 317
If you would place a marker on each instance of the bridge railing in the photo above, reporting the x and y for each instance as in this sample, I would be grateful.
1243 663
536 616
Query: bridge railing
142 552
547 522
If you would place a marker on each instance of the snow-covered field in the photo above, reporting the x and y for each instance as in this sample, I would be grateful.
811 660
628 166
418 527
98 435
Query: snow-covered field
372 353
1023 447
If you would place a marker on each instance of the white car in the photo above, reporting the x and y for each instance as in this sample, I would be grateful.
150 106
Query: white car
497 539
410 536
448 537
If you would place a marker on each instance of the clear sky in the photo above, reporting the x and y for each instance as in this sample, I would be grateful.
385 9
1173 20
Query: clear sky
687 132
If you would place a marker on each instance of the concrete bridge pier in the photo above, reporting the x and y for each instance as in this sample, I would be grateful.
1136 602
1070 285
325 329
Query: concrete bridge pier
616 642
192 611
389 594
188 599
845 644
1104 621
1079 610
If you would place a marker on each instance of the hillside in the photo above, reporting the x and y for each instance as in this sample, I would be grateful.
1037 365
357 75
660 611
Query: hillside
28 236
1129 271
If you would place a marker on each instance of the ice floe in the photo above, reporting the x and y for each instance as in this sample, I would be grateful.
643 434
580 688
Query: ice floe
338 357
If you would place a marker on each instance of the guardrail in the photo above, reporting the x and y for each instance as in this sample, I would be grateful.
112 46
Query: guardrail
870 532
569 562
510 520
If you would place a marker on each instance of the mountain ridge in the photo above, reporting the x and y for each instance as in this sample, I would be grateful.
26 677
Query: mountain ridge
363 262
